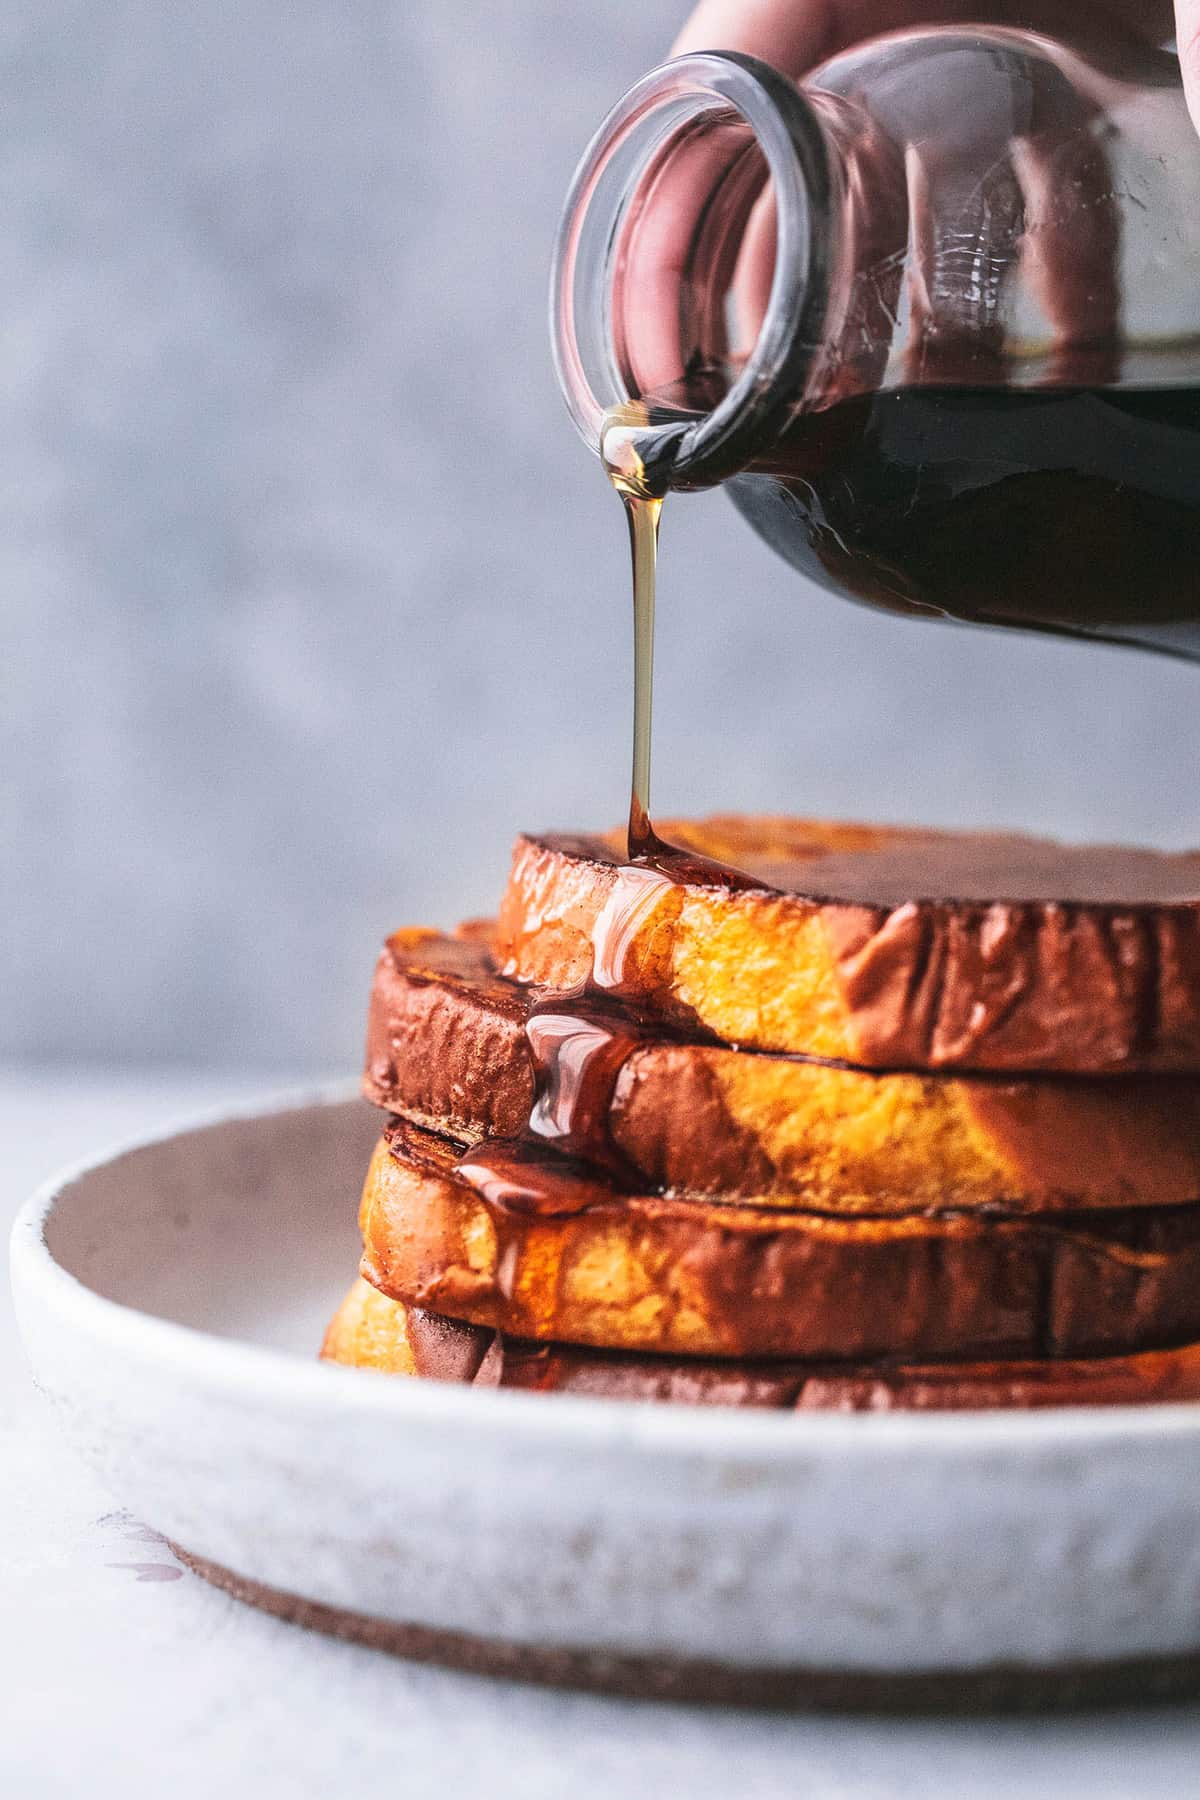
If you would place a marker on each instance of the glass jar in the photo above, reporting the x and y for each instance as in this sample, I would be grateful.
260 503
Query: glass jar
933 316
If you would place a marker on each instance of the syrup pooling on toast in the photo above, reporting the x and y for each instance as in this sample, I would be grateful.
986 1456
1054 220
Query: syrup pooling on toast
578 1048
638 892
523 1175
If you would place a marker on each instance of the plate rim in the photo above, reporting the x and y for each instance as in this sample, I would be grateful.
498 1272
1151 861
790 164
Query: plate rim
40 1281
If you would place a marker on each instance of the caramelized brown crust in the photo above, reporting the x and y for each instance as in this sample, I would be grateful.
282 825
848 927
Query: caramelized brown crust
691 1278
883 947
447 1049
371 1331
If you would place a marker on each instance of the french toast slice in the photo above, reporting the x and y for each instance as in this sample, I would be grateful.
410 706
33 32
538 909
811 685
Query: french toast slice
370 1331
564 1256
885 947
448 1048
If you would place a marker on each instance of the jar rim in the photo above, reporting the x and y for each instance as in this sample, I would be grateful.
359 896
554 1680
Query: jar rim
792 143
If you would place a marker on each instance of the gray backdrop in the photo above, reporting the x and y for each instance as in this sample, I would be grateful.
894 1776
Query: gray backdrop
312 597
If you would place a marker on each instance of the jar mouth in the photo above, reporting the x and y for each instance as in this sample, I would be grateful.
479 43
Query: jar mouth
678 97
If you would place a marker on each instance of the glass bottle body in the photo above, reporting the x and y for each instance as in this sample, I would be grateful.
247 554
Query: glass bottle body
934 316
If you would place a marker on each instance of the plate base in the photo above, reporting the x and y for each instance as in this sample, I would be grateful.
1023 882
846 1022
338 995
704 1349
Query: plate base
1004 1688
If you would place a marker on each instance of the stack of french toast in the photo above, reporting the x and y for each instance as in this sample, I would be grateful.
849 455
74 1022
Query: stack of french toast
796 1115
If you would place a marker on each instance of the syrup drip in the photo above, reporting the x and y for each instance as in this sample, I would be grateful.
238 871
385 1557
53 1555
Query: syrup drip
637 893
521 1175
578 1053
568 1160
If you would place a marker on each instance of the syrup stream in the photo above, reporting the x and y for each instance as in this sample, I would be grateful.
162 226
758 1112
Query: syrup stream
567 1160
619 451
643 516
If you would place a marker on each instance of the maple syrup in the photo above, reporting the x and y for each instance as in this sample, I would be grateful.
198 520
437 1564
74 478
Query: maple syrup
567 1160
1073 511
1070 511
579 1049
643 509
525 1175
580 1042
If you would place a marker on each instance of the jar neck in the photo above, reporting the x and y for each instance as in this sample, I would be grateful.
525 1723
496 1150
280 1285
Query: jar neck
699 155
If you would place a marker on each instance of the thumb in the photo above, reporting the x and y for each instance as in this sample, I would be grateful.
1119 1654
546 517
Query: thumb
1187 21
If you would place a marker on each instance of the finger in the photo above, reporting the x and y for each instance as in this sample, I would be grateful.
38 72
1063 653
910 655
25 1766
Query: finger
1046 202
864 306
750 288
963 237
862 323
1187 20
791 34
687 217
1069 250
797 34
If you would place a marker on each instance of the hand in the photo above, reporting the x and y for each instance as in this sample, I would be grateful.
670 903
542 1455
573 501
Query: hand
795 35
1030 201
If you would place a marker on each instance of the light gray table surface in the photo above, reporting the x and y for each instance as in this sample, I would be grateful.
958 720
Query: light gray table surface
122 1672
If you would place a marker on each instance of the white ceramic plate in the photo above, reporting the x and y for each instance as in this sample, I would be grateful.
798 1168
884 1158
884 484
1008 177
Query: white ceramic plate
172 1299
